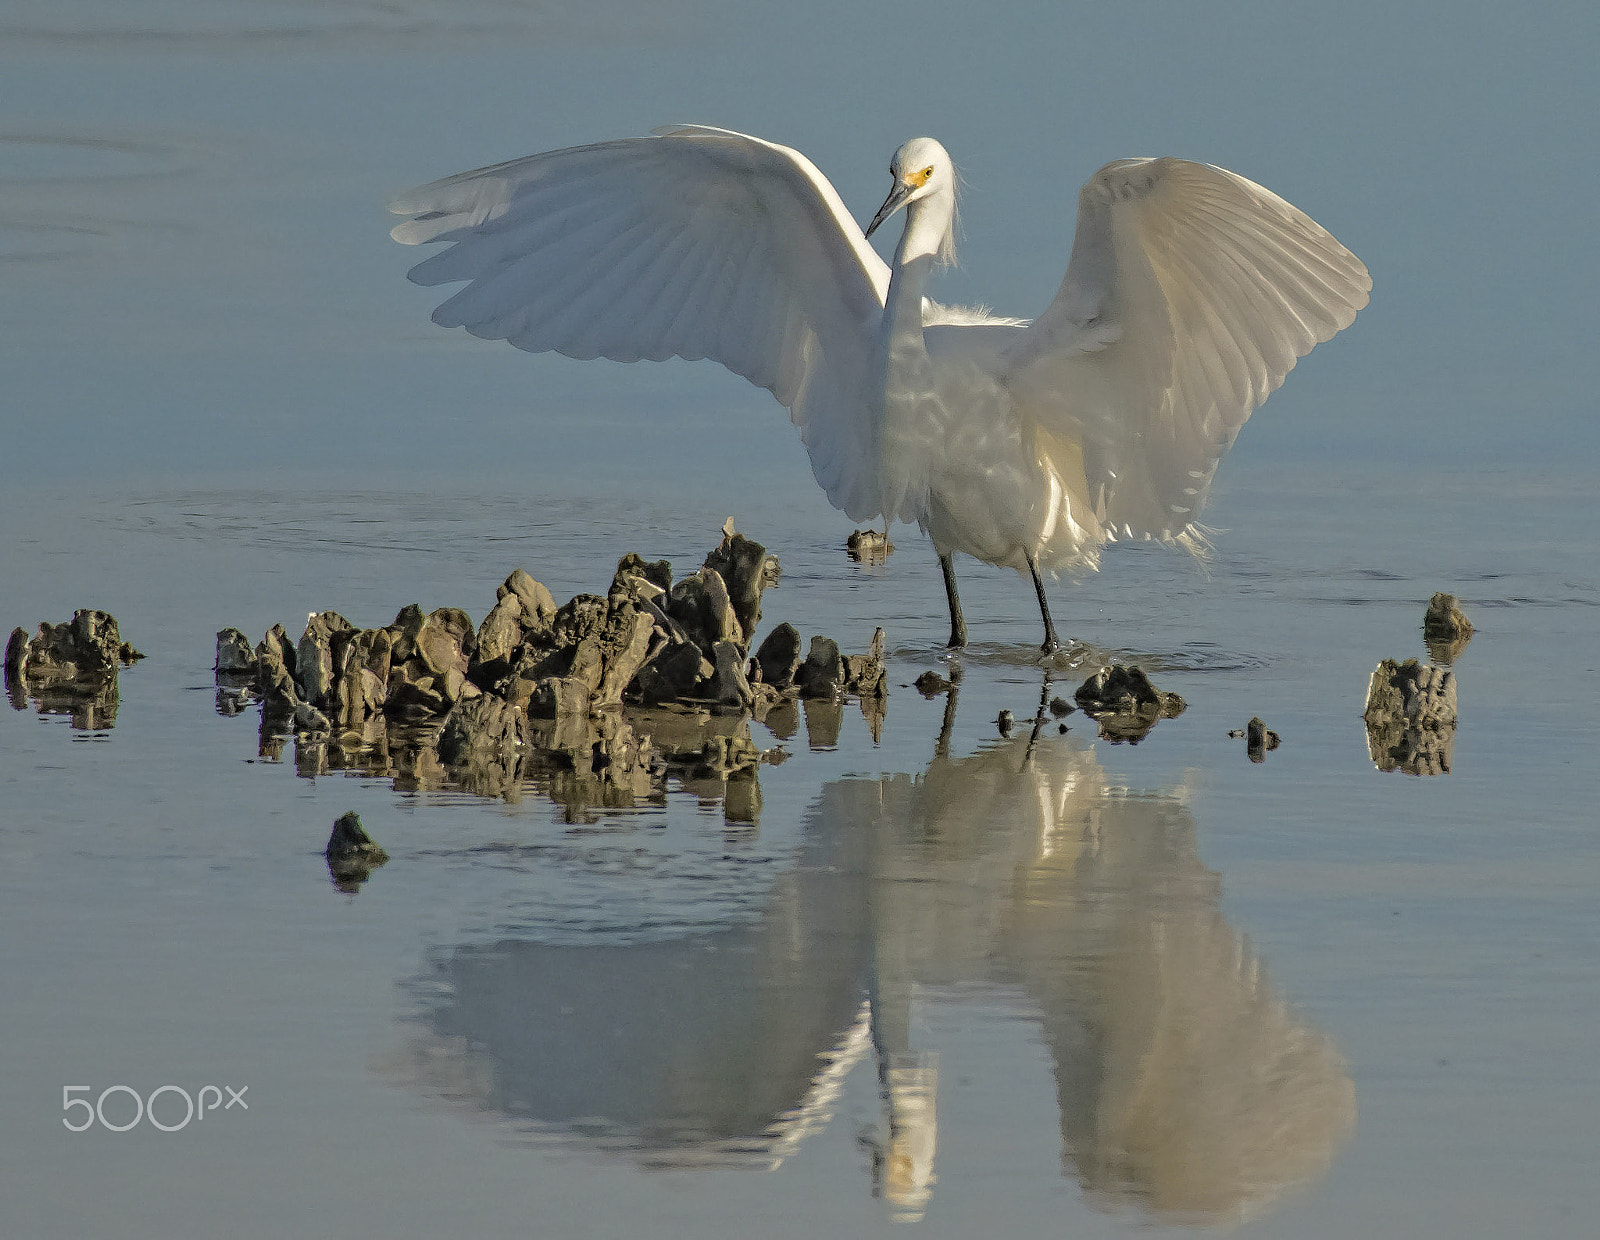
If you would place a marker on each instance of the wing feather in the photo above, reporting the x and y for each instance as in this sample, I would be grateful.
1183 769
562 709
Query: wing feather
1191 292
695 243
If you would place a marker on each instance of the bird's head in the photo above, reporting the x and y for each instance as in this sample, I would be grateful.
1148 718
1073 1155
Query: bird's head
921 168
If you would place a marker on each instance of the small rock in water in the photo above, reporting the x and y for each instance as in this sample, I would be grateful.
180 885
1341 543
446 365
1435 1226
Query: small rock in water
1005 722
930 684
70 668
1445 629
869 546
351 853
1259 739
1060 707
865 674
1121 699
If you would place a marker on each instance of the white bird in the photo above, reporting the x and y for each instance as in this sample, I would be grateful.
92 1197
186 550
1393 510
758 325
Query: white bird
1189 295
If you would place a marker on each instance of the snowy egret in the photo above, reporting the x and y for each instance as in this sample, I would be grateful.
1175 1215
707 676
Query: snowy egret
1189 294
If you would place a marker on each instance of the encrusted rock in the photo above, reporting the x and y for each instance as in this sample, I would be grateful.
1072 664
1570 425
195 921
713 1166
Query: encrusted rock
361 681
88 646
314 656
741 563
930 684
1423 697
623 644
865 674
1411 717
656 574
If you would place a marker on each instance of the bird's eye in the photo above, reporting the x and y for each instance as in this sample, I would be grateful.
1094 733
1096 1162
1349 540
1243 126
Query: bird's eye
927 172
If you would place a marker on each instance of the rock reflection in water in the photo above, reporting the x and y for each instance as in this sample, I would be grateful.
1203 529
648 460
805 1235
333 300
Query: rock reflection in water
1185 1086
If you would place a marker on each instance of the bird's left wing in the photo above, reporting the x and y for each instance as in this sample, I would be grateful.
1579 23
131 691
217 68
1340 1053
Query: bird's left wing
695 243
1190 294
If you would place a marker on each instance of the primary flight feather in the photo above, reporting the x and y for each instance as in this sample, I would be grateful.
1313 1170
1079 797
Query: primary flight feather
1189 295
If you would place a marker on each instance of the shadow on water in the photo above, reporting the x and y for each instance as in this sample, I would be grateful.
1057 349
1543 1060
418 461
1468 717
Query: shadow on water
1186 1089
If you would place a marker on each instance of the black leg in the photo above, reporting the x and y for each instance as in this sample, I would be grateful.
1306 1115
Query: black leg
1050 644
958 626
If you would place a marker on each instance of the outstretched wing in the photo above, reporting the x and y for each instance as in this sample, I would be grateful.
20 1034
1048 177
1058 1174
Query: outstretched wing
1190 294
695 243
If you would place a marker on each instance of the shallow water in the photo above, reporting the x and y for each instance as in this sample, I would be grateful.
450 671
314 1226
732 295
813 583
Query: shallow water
1106 986
943 979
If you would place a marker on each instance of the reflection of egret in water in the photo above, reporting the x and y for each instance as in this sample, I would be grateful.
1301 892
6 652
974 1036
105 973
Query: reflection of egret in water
1185 1085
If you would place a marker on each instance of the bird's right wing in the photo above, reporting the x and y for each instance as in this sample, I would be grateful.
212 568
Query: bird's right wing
1190 294
694 243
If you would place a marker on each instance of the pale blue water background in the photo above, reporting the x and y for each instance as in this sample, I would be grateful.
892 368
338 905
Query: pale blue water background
224 405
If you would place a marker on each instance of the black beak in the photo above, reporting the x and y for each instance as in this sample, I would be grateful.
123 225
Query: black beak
891 204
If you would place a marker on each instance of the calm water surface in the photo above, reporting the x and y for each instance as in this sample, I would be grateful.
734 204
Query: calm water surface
941 982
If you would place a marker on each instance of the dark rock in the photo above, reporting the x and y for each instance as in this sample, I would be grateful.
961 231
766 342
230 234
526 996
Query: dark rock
869 546
403 633
624 644
1060 707
1259 739
930 684
1005 722
481 729
414 693
307 718
727 685
234 654
741 563
361 678
556 697
700 603
1445 629
1121 699
822 674
501 631
16 647
779 656
352 855
674 674
275 659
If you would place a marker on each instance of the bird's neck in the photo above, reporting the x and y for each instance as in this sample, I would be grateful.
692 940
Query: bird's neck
927 225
